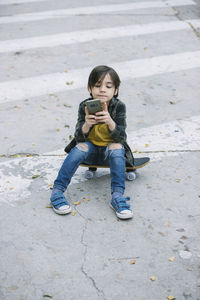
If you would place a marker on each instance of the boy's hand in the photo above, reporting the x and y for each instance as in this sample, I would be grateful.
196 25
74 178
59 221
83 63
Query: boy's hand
90 120
104 117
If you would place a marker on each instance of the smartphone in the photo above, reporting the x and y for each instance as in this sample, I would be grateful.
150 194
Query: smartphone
93 106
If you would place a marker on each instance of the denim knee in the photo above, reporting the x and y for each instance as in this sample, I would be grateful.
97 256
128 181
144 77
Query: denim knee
116 152
82 150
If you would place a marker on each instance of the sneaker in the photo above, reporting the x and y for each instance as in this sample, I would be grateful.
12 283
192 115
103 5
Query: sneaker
59 203
121 208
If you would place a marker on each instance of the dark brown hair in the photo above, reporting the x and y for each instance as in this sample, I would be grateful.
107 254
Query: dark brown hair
98 74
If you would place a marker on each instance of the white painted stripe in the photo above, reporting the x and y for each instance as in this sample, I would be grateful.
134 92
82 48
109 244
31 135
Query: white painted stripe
177 136
89 35
8 2
51 83
62 13
173 136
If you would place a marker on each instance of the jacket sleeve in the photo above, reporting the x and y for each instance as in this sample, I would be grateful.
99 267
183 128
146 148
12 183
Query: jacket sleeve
119 134
79 136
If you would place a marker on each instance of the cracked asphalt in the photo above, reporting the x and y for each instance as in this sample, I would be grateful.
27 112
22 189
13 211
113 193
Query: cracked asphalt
90 254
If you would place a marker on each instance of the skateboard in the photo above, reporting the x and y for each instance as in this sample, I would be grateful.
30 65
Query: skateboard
130 171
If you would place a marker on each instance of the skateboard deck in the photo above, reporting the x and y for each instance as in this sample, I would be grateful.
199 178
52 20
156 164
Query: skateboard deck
138 163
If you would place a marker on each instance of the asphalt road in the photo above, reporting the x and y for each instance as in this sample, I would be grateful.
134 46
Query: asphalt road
47 50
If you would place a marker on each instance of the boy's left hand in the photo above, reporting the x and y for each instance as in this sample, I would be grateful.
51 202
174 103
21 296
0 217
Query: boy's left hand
104 117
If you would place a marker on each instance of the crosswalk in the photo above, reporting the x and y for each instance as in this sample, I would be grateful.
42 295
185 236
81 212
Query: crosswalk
94 34
90 10
56 82
147 139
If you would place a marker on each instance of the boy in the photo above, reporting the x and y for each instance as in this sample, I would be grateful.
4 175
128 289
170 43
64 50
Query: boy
99 138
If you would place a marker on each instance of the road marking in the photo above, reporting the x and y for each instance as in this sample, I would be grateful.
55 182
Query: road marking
97 34
8 2
164 140
56 82
168 137
88 10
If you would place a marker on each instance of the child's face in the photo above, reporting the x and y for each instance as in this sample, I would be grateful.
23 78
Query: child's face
105 90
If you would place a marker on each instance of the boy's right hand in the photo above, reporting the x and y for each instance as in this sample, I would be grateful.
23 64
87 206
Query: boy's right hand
89 121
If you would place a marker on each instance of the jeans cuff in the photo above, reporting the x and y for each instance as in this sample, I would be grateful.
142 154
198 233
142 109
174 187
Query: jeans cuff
59 187
118 189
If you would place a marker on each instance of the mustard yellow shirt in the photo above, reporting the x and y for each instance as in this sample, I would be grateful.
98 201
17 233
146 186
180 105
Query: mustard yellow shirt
100 136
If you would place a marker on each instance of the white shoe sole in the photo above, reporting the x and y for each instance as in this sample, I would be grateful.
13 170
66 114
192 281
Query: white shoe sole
64 211
124 216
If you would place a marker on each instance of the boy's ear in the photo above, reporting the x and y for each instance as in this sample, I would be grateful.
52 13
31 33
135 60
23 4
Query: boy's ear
116 92
89 90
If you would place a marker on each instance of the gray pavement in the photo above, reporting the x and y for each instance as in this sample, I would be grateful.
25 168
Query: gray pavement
90 254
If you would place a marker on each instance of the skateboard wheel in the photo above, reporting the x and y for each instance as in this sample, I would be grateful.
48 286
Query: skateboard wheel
89 174
130 176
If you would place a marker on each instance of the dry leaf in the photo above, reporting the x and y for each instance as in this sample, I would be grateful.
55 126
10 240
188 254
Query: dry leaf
77 203
150 227
153 278
167 224
16 106
11 188
33 144
13 287
133 261
171 102
48 206
67 105
74 213
146 145
86 199
172 258
58 129
69 82
35 176
171 298
161 233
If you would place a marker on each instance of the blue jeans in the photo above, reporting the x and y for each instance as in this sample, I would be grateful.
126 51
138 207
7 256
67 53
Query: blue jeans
91 154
